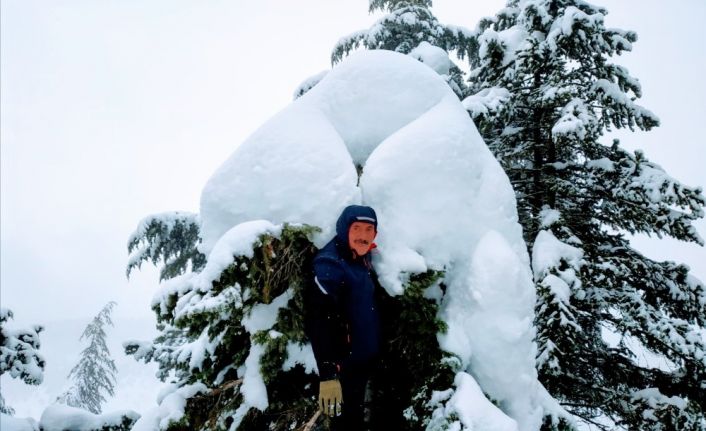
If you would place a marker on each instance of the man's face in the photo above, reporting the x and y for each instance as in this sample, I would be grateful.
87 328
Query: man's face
360 236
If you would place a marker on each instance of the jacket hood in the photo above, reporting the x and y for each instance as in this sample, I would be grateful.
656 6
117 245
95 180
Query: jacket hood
353 213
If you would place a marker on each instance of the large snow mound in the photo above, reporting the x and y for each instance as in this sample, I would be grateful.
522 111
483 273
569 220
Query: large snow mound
443 202
300 166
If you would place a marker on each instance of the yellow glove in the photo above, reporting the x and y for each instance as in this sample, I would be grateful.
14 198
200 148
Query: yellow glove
330 397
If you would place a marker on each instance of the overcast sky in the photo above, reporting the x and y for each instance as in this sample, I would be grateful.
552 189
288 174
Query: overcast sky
114 110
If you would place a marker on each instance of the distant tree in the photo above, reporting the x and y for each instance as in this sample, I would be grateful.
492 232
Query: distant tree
19 355
546 92
94 374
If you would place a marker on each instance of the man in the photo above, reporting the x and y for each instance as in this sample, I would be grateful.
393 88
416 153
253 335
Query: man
343 321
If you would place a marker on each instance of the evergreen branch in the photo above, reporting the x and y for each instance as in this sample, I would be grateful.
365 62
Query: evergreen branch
220 388
169 239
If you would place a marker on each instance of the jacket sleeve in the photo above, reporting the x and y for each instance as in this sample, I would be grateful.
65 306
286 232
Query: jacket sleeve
323 322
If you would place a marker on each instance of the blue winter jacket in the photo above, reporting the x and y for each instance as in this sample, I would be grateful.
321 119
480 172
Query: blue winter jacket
343 317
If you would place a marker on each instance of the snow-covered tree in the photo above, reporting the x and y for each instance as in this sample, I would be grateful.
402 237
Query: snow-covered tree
224 343
94 375
410 27
169 239
457 312
19 354
546 95
208 348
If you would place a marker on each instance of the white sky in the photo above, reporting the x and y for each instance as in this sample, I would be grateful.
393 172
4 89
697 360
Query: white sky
113 110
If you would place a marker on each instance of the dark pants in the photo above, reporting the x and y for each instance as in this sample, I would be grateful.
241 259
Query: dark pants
354 379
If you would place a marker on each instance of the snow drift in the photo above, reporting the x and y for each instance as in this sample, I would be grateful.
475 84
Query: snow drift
443 202
60 417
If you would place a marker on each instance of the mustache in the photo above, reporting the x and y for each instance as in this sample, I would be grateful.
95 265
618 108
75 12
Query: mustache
361 241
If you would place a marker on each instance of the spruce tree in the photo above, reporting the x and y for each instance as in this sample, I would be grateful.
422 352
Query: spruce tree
94 375
546 95
19 355
408 25
228 337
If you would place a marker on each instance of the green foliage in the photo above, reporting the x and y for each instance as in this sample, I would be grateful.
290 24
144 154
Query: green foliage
412 365
209 411
126 423
559 424
170 239
278 264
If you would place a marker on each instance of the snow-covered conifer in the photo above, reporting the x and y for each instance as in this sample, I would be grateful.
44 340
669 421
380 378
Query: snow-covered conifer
168 238
410 27
547 92
94 375
233 339
458 296
228 329
19 354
